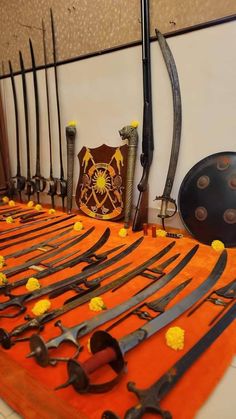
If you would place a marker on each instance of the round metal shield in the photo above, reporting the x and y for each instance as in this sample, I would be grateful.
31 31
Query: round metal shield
207 199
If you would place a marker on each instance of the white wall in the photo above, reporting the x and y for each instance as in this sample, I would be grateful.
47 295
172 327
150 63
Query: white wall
105 93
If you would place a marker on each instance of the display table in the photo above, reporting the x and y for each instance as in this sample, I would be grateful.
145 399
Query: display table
29 388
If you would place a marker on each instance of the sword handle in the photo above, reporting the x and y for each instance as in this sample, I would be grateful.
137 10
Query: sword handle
105 350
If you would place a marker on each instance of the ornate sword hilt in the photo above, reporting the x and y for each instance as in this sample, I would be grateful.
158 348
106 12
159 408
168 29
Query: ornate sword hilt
105 351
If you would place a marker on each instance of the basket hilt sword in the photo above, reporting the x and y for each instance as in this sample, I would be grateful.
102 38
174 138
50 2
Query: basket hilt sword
52 181
62 181
107 350
39 181
18 178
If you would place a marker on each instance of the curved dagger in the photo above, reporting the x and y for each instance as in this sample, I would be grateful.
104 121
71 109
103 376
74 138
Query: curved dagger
167 203
20 180
40 182
29 185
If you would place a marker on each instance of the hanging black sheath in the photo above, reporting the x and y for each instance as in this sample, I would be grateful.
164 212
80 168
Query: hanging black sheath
29 184
52 181
40 182
62 181
19 179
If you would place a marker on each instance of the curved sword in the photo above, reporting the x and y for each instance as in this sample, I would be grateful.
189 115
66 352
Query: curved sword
108 350
168 205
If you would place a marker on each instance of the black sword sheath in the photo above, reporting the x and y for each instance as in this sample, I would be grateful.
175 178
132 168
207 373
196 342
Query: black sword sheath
29 185
37 260
22 227
20 180
41 246
40 349
150 398
24 233
108 350
52 180
39 181
168 205
84 257
62 181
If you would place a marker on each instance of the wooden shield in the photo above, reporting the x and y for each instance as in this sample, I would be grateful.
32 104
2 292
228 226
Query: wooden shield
100 191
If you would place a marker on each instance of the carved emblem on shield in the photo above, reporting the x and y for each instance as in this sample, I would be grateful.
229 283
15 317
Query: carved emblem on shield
101 187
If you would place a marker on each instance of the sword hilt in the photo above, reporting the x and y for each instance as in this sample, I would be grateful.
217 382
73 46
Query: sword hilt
105 351
168 206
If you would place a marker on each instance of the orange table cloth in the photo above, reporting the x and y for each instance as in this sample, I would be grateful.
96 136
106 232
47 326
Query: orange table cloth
29 388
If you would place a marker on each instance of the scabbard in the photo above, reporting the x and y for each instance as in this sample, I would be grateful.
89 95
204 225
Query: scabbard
130 133
70 139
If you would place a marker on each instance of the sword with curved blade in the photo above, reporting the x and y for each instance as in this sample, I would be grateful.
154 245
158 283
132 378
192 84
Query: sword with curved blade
168 204
39 181
20 180
73 280
149 398
40 349
29 184
108 350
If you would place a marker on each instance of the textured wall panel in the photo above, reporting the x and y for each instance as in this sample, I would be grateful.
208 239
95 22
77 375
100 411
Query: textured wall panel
84 26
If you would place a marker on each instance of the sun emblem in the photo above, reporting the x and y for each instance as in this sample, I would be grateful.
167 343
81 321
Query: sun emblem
101 182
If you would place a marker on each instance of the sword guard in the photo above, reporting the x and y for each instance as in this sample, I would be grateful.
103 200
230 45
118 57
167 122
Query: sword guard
149 401
168 206
105 351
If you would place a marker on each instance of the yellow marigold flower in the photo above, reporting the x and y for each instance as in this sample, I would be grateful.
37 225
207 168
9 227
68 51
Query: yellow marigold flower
123 232
5 199
88 346
217 245
161 233
3 279
2 261
134 124
175 338
97 304
51 211
30 204
9 220
38 207
72 124
78 226
32 284
11 203
41 307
